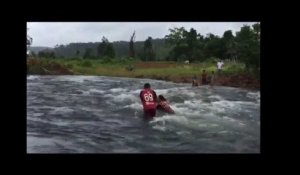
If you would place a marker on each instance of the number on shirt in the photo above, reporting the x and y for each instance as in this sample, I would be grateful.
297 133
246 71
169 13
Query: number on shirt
148 97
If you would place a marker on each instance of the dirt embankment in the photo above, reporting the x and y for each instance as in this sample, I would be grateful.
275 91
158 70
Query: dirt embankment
42 67
240 81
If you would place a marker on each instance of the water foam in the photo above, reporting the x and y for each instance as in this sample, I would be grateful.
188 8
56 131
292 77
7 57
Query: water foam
185 111
160 128
136 106
96 91
217 97
32 77
161 91
114 90
61 110
135 92
78 79
125 97
254 95
171 118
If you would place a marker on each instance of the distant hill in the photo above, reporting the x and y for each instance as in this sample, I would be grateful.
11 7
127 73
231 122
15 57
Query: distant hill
37 49
121 48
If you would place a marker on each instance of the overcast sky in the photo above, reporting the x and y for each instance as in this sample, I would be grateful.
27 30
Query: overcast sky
51 33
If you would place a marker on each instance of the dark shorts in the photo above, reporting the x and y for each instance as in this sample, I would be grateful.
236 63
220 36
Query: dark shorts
150 112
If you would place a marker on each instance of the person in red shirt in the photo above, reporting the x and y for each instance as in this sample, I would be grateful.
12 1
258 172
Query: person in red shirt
163 105
149 100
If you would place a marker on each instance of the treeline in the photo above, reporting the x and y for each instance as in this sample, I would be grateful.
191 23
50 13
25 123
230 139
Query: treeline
121 49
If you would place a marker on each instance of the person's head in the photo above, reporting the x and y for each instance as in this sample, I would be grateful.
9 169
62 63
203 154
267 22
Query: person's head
212 72
203 71
161 98
147 86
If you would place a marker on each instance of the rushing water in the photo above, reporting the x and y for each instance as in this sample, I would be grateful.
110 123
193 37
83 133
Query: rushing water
92 114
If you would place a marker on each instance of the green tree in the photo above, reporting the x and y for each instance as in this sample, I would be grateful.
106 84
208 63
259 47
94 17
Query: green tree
231 49
194 45
109 51
41 54
229 46
131 46
214 46
149 54
105 49
46 54
248 47
28 42
51 54
178 38
77 53
101 47
228 35
186 44
87 53
256 28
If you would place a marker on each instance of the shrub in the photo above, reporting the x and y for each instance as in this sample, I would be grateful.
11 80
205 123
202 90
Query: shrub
86 63
69 65
106 60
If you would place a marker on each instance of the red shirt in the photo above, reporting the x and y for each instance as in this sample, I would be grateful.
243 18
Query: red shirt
148 98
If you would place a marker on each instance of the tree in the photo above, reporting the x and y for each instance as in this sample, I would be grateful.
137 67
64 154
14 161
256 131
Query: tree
176 36
101 47
51 55
193 44
187 44
29 39
131 48
41 54
256 28
46 54
179 38
105 48
214 46
228 35
87 53
77 52
248 47
228 49
231 49
28 42
149 54
109 51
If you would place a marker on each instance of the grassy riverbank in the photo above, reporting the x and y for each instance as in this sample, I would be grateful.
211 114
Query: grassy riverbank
233 74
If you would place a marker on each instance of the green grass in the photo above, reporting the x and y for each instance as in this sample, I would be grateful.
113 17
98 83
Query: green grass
117 67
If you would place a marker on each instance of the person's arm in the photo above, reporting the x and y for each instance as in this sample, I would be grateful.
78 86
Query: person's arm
158 106
155 97
142 100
